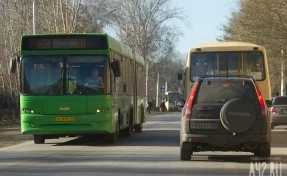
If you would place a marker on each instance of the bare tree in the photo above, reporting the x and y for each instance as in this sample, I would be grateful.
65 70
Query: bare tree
263 22
53 16
143 25
72 15
146 27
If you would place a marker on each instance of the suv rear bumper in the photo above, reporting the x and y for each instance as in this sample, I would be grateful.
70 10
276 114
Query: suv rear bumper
224 140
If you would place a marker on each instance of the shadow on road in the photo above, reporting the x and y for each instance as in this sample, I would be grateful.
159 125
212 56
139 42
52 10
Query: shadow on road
278 139
131 165
145 138
155 137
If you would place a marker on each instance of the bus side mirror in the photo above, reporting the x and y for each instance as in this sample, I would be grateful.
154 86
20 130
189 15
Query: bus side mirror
179 75
116 68
13 64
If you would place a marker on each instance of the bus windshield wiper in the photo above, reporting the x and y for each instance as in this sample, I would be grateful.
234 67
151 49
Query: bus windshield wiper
49 90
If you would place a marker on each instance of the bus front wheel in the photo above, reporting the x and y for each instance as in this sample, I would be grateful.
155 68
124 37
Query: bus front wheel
113 138
39 139
128 131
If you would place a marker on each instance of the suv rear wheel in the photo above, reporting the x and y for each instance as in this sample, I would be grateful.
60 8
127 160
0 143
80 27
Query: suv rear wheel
185 151
264 152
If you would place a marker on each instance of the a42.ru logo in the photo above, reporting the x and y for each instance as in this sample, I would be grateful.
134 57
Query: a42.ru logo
265 169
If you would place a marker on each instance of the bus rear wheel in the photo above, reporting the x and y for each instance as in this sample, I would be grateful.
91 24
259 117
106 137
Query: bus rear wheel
127 131
139 128
39 139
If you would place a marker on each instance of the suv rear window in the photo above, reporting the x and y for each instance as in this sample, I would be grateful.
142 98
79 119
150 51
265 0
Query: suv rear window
214 90
280 101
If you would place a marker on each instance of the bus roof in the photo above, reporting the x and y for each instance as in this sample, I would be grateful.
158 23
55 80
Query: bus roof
125 50
226 46
113 44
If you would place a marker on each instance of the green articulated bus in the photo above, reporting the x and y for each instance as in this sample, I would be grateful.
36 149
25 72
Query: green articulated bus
80 84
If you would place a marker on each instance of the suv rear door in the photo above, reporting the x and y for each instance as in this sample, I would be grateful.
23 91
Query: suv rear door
212 94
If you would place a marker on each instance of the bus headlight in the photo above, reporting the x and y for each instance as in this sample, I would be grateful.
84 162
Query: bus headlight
28 110
102 110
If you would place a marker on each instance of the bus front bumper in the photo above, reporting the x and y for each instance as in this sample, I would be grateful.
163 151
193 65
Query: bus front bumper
78 124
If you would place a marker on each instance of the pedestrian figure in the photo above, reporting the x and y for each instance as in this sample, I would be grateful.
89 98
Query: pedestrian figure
162 107
149 105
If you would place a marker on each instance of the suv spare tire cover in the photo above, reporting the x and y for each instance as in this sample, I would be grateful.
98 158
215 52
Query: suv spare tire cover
237 115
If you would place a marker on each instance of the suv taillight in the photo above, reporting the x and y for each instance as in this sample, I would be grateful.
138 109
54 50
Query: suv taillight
187 112
261 102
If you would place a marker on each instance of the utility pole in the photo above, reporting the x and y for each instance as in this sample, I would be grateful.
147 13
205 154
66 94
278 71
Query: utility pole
146 80
282 74
157 87
34 16
166 85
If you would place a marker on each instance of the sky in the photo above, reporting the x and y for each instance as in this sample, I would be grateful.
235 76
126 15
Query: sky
205 18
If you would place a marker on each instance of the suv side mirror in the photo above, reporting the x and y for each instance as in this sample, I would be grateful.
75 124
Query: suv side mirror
116 68
179 103
179 75
269 103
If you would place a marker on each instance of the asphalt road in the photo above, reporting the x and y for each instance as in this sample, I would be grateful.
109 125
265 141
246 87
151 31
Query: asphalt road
155 151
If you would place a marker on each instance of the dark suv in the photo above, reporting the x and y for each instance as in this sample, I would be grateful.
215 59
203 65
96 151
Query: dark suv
225 114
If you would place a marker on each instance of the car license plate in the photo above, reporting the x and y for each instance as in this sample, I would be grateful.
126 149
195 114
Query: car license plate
64 119
204 125
285 111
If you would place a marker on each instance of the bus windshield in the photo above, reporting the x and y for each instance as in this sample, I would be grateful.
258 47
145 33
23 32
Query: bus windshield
65 75
248 63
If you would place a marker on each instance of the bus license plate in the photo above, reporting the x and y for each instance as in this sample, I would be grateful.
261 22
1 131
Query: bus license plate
204 125
64 119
